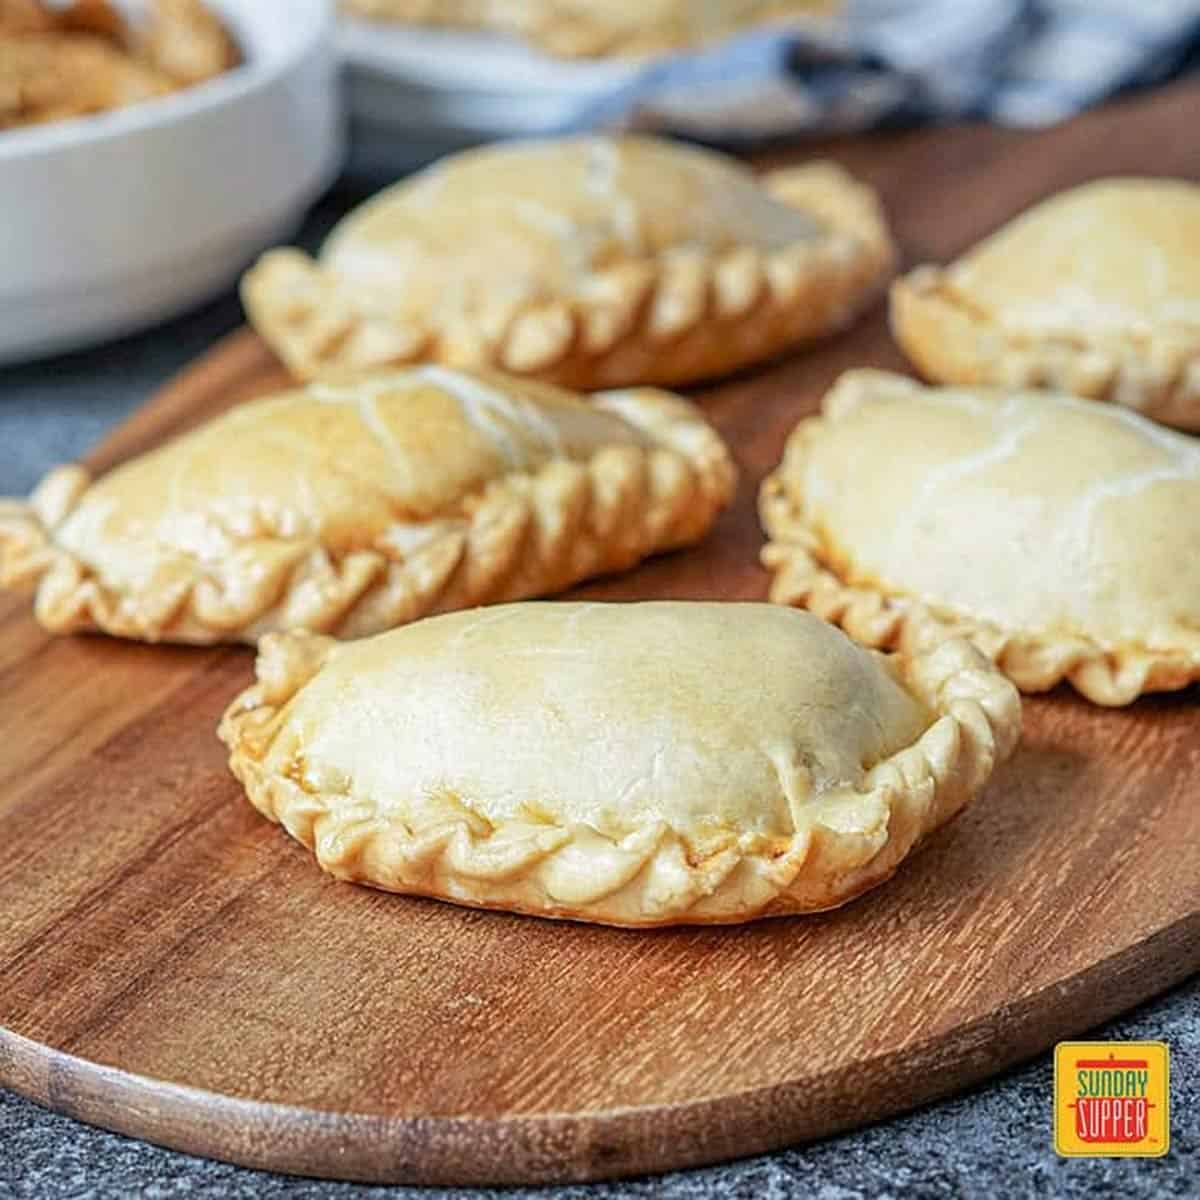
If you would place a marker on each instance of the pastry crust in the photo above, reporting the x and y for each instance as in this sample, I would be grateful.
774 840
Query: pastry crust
1061 537
582 29
459 757
585 29
61 62
352 510
599 28
445 14
588 262
1095 291
187 43
55 76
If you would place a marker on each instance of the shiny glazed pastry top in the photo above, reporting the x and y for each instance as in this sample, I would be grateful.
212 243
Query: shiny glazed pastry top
1095 291
357 508
1062 536
591 262
633 764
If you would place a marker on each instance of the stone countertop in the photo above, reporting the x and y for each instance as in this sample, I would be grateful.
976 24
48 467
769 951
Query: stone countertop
992 1142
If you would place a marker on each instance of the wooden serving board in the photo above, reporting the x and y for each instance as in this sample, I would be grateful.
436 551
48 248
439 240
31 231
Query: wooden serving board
174 967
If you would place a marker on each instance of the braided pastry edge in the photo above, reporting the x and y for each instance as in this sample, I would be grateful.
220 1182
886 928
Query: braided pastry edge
677 317
523 535
800 557
950 342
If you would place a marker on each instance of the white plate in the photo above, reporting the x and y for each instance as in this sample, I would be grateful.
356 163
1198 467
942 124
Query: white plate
473 62
415 94
117 221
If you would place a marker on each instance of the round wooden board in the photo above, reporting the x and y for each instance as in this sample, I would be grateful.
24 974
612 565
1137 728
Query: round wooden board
176 968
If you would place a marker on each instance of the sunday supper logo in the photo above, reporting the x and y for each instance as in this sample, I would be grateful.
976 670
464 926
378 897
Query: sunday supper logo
1111 1099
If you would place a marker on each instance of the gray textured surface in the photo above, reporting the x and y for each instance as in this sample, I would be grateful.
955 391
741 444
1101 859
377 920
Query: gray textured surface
994 1142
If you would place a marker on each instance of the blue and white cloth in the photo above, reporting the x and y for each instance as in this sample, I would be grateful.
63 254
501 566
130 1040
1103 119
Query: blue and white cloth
1017 62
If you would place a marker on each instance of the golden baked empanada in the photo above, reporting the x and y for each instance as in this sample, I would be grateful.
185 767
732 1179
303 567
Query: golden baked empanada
25 17
449 14
1063 537
1096 291
72 60
55 76
592 261
633 764
594 28
187 42
583 28
354 509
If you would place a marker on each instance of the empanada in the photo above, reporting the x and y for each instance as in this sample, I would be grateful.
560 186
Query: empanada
586 28
583 28
1062 536
63 61
1096 291
446 14
590 262
354 509
56 76
187 42
633 764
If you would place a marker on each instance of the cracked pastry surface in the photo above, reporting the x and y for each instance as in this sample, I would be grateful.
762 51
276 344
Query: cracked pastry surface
353 509
589 262
632 764
584 28
1095 291
1061 536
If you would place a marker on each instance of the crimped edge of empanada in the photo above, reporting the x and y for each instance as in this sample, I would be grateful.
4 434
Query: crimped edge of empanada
523 535
809 571
651 876
950 340
673 318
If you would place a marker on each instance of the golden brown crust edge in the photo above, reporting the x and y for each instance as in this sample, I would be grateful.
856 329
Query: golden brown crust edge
801 559
672 319
523 535
950 342
27 551
648 878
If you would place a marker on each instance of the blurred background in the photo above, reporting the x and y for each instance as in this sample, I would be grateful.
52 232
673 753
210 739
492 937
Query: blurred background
149 149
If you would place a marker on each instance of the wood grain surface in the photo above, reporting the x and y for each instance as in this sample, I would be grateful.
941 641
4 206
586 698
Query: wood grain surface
176 968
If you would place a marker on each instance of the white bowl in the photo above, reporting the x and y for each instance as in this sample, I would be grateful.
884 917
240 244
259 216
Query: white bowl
113 222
